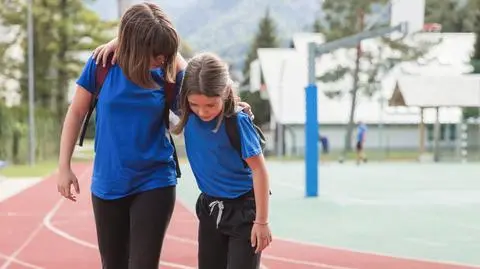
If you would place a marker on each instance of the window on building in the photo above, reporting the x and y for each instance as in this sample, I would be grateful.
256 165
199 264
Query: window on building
443 132
453 132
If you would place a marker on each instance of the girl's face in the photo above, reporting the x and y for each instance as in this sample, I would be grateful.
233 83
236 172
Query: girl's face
206 108
157 62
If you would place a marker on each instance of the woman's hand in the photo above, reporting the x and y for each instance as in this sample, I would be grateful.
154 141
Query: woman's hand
66 179
261 236
101 53
245 107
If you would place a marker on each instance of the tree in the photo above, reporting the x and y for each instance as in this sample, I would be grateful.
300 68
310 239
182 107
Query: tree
63 30
266 37
455 16
344 18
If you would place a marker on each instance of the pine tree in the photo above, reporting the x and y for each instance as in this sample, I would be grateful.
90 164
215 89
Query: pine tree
266 37
455 16
317 26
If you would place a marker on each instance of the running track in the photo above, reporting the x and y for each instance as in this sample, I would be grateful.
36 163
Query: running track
38 230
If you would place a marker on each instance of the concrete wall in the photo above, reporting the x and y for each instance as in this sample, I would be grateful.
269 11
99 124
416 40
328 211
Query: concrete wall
387 137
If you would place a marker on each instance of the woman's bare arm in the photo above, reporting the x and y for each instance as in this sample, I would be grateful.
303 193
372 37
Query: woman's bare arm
72 124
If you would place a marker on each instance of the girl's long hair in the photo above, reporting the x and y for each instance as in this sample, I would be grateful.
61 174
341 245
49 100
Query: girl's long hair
208 75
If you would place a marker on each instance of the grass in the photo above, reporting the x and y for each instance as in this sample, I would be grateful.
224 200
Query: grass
44 168
40 169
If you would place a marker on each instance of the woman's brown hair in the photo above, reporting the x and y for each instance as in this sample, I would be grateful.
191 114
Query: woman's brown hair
208 75
145 32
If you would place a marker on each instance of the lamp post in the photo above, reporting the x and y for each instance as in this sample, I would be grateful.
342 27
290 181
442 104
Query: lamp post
31 85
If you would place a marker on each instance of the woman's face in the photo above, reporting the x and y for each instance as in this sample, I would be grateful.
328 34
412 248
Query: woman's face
157 62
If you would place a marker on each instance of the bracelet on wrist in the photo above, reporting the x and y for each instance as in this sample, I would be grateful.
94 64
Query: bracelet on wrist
260 223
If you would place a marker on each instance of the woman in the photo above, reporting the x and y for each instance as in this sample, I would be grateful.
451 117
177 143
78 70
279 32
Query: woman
134 175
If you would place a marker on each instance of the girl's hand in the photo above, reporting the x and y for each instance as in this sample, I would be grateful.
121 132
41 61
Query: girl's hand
66 179
260 237
102 52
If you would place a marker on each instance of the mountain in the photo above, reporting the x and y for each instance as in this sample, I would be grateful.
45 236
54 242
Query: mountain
227 27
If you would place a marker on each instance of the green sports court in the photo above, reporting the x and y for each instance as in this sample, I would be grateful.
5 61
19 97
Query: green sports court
402 209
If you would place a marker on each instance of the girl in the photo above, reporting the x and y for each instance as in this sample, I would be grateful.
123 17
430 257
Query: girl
134 176
233 205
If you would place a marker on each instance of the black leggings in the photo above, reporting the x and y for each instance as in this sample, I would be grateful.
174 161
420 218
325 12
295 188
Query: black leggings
130 230
224 233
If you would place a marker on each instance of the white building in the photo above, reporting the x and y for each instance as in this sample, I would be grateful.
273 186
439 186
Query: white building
285 74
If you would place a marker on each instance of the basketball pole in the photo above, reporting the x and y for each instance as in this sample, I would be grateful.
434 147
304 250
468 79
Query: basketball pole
311 93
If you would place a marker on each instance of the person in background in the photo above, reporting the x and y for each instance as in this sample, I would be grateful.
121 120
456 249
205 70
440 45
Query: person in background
361 134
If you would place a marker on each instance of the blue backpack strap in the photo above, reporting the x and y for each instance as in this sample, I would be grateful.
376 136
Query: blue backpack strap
231 127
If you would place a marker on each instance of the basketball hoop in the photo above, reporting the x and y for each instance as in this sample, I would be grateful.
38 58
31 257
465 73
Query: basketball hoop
263 92
432 27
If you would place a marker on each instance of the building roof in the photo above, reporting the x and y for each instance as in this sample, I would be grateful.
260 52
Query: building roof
437 91
285 73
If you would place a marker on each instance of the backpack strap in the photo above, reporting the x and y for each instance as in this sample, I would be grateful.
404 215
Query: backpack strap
231 127
100 76
170 98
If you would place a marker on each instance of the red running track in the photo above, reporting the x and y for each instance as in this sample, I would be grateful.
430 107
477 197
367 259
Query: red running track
38 230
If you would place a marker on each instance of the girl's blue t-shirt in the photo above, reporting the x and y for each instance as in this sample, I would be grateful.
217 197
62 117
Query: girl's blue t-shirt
132 150
216 165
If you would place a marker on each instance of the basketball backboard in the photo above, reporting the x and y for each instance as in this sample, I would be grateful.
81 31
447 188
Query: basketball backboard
411 12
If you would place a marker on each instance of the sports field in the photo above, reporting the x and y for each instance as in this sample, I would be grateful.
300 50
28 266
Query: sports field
378 215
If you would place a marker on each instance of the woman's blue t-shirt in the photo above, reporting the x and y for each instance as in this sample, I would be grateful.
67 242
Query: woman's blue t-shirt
216 165
132 151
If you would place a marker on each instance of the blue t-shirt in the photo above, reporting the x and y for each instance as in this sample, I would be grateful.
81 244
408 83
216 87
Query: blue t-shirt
361 130
133 152
217 166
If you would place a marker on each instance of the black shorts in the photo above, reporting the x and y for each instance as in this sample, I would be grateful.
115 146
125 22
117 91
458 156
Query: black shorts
359 145
224 232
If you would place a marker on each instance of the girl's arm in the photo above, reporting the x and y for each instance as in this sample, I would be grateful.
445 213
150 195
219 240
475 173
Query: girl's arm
252 154
261 235
101 53
261 187
181 63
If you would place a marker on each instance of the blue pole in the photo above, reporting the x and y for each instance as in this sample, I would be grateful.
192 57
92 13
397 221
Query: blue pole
311 124
311 127
311 149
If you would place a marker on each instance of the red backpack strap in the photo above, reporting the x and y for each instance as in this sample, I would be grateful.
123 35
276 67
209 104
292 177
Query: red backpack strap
170 97
100 76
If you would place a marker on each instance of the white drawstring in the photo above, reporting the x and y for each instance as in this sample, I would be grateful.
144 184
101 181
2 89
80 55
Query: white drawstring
219 204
